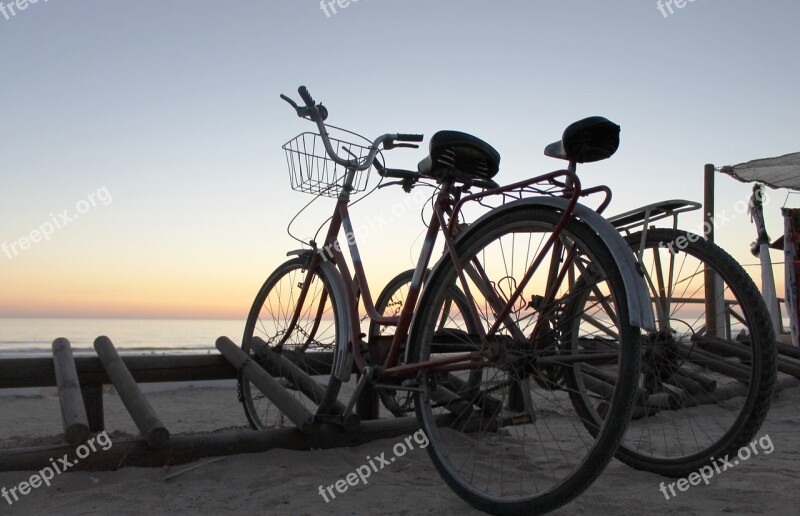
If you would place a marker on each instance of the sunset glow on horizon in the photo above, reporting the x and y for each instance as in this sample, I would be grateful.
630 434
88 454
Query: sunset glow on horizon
143 175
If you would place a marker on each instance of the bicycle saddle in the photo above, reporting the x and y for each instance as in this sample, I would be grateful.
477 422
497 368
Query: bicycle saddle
460 156
591 139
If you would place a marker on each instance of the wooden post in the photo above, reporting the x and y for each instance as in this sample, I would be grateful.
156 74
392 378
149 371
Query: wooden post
93 401
368 405
708 201
279 366
286 403
152 429
73 411
710 277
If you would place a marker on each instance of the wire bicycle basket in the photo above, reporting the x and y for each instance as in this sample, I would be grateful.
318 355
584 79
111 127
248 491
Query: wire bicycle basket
312 171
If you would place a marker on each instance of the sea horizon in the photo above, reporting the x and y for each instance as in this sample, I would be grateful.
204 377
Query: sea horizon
33 336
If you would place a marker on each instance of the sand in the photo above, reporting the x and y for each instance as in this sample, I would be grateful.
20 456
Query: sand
286 482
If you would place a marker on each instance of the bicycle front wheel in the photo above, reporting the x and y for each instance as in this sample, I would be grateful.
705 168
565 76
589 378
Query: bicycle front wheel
311 342
707 374
455 319
506 437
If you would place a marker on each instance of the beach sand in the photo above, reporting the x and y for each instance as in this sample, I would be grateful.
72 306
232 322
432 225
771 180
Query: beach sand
287 482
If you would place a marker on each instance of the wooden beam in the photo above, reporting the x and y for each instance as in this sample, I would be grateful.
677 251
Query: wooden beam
728 348
38 372
281 367
662 402
73 411
285 402
149 424
183 449
714 362
789 351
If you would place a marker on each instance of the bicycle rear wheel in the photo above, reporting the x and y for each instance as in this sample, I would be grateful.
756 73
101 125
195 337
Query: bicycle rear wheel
707 375
511 442
320 326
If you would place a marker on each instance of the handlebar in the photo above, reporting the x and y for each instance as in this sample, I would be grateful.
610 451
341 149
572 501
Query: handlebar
397 173
409 177
317 113
311 110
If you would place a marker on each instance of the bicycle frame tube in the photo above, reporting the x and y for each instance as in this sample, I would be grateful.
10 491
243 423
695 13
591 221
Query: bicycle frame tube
357 287
476 359
360 285
410 304
576 187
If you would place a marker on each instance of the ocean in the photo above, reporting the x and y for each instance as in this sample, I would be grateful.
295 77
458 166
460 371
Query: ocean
34 337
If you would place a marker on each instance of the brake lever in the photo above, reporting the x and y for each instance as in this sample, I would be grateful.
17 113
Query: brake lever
291 102
305 111
392 183
302 112
407 184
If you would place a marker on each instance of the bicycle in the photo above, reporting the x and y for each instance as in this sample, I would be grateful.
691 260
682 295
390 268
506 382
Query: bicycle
708 372
473 391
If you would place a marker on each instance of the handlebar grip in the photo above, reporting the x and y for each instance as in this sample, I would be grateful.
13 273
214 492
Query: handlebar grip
305 95
410 137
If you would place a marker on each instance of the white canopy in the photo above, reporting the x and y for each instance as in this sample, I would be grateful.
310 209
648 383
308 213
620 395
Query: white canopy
781 172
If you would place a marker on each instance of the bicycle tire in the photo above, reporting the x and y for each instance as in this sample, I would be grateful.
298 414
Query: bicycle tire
700 421
531 466
278 294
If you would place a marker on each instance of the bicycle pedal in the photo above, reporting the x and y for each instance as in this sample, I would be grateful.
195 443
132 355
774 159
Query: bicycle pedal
517 418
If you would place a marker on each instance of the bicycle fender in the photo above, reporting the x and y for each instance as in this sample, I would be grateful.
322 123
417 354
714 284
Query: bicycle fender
343 359
640 309
343 356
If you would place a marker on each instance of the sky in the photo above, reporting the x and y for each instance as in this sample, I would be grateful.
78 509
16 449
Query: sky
141 169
